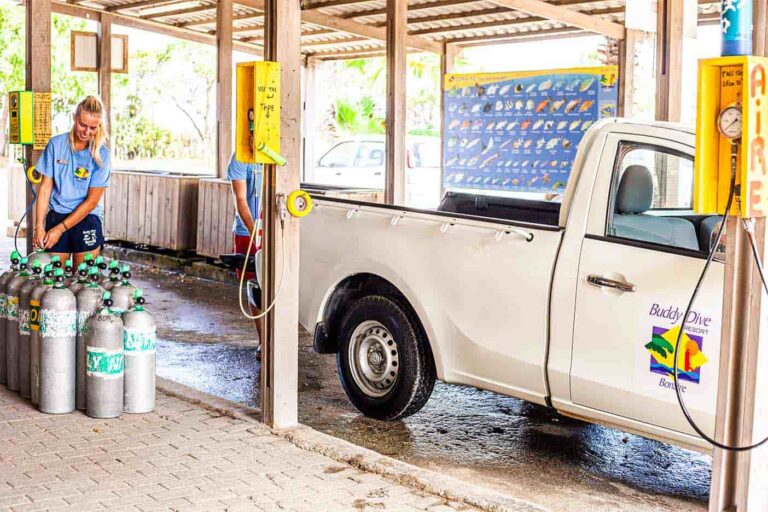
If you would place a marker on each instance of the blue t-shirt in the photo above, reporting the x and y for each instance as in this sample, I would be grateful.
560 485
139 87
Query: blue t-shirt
252 174
73 173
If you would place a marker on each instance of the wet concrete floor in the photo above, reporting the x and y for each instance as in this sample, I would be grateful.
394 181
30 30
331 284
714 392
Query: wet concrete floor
477 436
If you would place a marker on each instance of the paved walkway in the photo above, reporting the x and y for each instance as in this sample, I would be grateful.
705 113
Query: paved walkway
181 457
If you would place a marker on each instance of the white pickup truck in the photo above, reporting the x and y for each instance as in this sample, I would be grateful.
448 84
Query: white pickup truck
575 305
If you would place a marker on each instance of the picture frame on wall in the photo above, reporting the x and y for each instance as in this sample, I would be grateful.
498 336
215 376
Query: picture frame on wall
85 51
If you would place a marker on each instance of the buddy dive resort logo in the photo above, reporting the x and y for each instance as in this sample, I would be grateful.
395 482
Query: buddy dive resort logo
690 357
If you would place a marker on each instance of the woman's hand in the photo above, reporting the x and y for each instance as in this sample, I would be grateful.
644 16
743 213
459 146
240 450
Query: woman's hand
52 237
38 238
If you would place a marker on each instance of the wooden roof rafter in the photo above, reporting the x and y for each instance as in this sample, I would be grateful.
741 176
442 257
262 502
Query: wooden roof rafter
180 12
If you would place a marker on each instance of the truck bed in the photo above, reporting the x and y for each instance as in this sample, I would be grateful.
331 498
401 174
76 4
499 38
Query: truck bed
507 208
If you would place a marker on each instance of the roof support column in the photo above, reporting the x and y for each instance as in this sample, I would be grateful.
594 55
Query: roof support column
397 21
223 86
309 119
674 19
280 347
38 76
451 53
105 67
738 479
627 49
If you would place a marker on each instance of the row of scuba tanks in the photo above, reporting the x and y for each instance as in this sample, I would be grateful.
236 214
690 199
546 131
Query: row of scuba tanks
76 340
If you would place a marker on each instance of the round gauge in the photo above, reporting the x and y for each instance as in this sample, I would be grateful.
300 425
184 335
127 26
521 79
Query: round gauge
729 122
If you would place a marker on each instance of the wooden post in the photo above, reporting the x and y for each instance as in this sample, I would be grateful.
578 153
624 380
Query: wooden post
308 137
38 76
760 27
669 59
280 347
105 67
627 49
397 21
451 52
223 86
738 478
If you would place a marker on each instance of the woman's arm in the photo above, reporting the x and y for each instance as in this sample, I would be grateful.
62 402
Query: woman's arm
41 210
240 190
78 214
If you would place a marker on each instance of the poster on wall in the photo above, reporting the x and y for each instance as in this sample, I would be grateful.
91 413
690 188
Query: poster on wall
519 131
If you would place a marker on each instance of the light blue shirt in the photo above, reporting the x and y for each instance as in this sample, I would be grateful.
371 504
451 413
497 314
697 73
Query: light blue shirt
73 173
252 174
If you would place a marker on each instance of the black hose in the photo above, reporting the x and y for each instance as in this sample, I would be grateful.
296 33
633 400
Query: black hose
26 212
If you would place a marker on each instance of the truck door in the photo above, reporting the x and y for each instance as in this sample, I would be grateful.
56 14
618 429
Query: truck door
640 259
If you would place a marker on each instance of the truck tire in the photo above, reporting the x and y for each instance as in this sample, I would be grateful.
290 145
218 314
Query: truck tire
385 365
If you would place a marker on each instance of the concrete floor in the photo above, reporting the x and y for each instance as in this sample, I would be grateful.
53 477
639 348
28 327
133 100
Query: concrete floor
495 441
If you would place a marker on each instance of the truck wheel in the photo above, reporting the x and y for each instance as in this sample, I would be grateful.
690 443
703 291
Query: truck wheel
384 364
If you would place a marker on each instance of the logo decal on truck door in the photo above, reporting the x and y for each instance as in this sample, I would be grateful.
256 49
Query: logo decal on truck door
690 357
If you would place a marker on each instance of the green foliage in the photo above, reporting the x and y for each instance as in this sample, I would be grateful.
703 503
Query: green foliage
660 346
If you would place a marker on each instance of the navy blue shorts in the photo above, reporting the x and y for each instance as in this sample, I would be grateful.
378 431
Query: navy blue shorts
86 236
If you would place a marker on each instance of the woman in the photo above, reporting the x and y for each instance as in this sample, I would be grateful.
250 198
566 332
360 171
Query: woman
75 168
246 187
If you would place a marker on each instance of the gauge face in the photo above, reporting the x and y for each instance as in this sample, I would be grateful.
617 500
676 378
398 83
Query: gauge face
729 122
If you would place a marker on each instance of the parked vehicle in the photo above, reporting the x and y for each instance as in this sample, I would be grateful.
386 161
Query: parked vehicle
359 163
575 305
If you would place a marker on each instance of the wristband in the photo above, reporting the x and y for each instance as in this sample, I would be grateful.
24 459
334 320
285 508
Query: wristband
66 228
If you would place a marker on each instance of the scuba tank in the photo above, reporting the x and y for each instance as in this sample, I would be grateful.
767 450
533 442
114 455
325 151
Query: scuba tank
122 293
4 279
139 343
114 275
82 279
88 302
101 264
9 358
89 260
34 339
39 255
25 330
105 362
58 314
69 275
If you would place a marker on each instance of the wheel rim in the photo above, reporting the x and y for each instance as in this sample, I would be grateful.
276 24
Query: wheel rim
373 358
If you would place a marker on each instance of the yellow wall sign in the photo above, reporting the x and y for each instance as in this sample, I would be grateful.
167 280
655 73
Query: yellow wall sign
257 111
723 82
42 120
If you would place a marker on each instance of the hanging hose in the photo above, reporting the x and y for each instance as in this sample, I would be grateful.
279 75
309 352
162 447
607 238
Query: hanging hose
23 162
248 254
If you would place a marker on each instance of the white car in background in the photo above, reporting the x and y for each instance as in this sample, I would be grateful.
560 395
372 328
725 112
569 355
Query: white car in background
359 163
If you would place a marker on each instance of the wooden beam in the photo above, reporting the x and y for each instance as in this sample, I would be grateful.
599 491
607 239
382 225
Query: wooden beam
223 86
397 26
38 79
530 35
178 12
336 56
352 40
143 3
333 3
280 348
760 28
212 21
352 27
627 50
449 3
105 67
448 59
564 15
348 54
669 59
150 26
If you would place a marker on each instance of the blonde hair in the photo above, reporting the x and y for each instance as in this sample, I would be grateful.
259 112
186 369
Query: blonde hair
92 105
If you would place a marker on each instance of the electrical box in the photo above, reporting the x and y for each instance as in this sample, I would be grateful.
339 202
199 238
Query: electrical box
29 118
21 120
257 116
731 129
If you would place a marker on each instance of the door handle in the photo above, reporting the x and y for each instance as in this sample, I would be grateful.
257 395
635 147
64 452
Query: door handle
604 282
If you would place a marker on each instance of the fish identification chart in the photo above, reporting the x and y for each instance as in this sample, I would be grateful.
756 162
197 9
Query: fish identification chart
519 131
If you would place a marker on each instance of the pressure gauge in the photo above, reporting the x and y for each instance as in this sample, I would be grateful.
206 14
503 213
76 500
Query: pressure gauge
729 122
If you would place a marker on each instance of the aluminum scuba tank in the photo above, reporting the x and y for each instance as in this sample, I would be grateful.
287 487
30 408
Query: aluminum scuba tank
105 362
4 279
114 275
39 255
69 275
82 278
139 343
58 313
122 294
11 354
101 264
88 302
34 339
25 330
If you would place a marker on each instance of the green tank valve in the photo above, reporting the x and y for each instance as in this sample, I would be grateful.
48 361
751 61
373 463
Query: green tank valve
68 264
15 255
58 273
55 258
24 261
37 264
106 296
89 259
114 264
125 268
138 292
99 260
93 271
48 269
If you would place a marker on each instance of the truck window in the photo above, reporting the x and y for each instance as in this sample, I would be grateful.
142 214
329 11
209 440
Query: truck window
651 197
370 154
341 155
